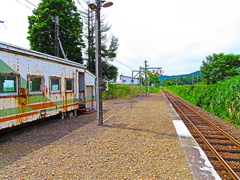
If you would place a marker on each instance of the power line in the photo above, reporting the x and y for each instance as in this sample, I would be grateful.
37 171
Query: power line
75 34
128 30
128 43
23 4
48 15
31 3
13 34
123 63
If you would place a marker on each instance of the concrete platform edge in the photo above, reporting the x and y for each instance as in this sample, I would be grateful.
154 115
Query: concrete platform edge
199 163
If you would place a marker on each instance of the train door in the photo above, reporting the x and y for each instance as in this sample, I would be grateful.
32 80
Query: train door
90 98
81 89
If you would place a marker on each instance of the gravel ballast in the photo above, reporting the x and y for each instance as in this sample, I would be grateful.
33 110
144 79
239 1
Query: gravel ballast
134 143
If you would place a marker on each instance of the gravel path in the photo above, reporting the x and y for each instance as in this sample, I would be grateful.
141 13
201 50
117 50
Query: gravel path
134 143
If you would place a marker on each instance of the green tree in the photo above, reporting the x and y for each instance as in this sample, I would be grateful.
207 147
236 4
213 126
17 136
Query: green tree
42 28
109 44
219 66
110 71
153 78
89 31
169 82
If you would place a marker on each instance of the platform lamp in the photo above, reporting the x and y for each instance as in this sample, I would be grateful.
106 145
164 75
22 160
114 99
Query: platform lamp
96 6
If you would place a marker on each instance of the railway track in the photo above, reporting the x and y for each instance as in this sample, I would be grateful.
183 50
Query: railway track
222 149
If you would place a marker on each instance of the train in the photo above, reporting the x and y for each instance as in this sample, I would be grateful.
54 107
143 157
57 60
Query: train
35 85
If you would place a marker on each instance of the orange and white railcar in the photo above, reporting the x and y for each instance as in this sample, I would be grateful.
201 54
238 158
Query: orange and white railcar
35 85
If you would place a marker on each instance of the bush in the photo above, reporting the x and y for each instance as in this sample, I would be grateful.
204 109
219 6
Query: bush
125 91
221 99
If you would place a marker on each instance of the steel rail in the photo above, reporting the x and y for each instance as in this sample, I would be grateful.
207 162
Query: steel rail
212 149
235 141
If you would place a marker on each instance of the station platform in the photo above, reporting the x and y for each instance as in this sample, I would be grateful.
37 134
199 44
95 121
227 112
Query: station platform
197 159
147 141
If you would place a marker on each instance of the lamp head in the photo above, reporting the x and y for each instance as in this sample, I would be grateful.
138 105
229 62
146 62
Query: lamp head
107 4
92 6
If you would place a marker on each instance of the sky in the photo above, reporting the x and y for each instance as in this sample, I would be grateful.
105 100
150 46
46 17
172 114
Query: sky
174 35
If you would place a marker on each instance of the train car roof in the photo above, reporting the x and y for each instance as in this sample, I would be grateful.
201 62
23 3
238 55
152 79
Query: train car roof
23 51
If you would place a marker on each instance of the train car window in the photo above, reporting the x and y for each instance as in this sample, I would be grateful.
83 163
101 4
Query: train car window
35 85
69 85
8 85
55 85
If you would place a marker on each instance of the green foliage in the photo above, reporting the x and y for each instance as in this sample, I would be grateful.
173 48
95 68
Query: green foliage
153 78
42 28
182 81
108 49
109 71
221 99
196 78
219 66
125 91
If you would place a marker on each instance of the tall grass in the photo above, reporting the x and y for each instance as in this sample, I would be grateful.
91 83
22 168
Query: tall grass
125 91
221 99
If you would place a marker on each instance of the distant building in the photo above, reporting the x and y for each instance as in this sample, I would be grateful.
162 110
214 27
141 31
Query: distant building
128 80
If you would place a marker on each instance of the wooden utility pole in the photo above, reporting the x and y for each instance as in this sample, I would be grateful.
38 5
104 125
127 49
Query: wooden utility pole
56 36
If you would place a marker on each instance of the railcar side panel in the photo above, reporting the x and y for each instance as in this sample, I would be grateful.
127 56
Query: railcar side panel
34 85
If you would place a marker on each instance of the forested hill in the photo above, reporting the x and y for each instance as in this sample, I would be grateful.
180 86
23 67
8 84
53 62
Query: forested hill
197 73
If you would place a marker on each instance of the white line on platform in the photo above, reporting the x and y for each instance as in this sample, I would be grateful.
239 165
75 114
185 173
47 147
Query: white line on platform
108 118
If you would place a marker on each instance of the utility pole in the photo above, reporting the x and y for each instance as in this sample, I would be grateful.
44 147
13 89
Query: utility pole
145 77
140 84
99 65
56 36
97 7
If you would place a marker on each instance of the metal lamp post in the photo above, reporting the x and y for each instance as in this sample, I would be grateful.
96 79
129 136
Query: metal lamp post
97 7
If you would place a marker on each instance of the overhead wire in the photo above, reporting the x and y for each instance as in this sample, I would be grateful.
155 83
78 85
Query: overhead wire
77 36
23 4
123 63
128 30
53 18
128 42
31 3
5 26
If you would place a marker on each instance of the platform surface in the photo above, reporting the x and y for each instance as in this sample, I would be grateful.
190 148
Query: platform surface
147 141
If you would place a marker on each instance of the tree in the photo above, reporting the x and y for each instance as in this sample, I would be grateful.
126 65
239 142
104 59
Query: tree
109 44
219 66
169 82
42 28
109 71
153 78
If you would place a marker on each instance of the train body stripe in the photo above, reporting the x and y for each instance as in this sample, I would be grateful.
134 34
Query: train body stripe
89 97
37 107
42 105
68 105
90 100
17 116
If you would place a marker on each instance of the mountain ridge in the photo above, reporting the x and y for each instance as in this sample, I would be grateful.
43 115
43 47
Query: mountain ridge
196 73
